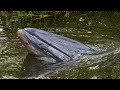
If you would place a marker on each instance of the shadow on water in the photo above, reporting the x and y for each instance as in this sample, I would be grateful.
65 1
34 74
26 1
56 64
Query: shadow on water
33 67
30 66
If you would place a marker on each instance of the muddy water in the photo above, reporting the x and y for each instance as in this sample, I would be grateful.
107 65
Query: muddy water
15 62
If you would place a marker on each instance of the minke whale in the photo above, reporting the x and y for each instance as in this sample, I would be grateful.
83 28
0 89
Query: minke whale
51 47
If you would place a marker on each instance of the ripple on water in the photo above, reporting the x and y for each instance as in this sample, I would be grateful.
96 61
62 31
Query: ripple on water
98 42
3 37
8 77
13 54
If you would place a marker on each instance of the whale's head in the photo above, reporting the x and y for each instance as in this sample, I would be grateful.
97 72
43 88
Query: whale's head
28 40
51 46
36 42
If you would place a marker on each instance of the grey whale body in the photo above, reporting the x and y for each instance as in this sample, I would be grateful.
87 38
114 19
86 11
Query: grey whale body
51 47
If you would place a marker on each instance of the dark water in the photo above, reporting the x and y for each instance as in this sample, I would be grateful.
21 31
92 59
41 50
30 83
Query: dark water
101 33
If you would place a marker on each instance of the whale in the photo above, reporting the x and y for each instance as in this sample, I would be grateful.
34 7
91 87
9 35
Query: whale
51 47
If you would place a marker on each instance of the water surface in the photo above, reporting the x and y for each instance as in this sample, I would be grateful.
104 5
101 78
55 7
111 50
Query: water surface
15 62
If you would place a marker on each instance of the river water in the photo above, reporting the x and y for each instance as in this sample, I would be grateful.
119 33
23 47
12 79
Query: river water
101 34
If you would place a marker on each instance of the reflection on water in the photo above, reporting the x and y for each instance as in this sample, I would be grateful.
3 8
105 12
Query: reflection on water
15 62
31 66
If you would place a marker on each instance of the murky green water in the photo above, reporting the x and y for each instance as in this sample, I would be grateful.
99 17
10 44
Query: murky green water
101 33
